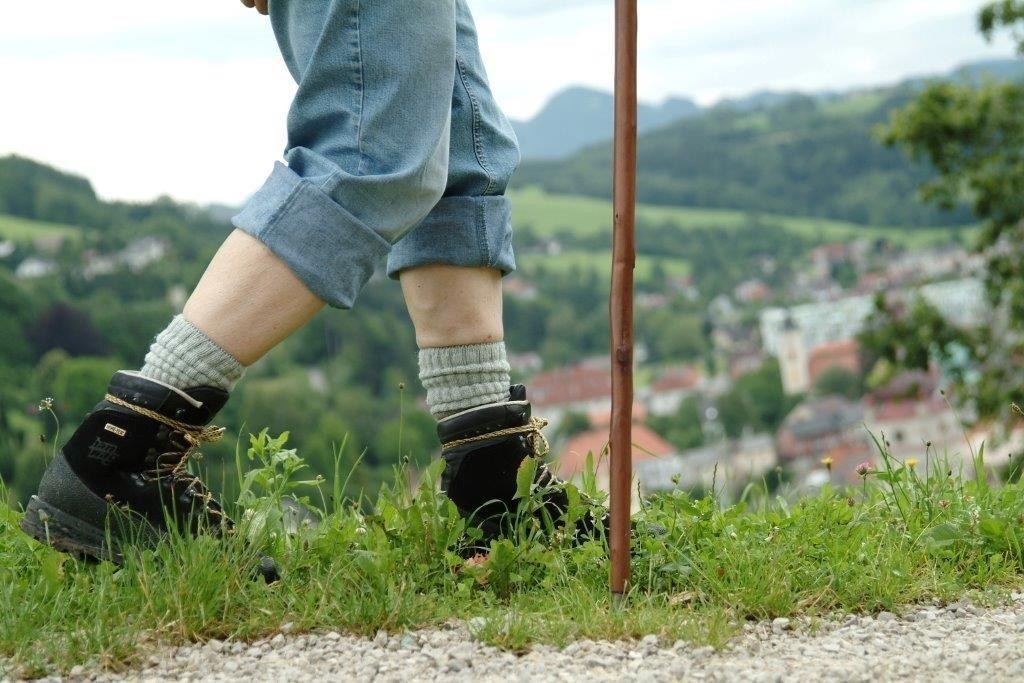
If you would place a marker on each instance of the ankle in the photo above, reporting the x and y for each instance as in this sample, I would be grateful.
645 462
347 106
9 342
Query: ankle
459 378
183 356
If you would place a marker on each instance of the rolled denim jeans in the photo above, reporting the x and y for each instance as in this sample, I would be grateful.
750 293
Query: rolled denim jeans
396 147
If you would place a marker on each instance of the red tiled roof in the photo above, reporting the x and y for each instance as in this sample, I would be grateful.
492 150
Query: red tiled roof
685 378
837 348
570 385
896 410
603 418
573 458
835 250
842 354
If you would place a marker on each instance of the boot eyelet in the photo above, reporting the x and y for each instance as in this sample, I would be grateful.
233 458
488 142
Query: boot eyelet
180 412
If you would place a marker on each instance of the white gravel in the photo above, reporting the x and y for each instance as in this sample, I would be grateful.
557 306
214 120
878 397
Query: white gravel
955 642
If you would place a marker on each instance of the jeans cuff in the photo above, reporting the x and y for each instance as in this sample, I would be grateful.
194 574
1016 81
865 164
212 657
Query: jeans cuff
459 231
329 249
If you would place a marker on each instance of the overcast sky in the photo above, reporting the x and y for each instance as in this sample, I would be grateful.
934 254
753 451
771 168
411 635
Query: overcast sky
188 98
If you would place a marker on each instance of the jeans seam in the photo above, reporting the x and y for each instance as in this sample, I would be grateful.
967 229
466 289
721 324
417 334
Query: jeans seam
478 147
275 219
362 89
481 221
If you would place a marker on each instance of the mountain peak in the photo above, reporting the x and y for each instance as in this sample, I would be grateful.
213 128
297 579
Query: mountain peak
578 116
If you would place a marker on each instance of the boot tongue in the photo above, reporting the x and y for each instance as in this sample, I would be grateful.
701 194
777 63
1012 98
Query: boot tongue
212 398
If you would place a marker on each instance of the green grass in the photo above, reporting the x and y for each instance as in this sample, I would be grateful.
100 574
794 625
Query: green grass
549 213
860 105
25 230
901 538
566 261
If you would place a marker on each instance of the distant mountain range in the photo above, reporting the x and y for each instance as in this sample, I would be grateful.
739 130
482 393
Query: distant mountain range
577 117
814 154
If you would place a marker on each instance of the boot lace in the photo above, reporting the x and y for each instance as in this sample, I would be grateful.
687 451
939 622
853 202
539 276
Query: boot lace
173 464
532 430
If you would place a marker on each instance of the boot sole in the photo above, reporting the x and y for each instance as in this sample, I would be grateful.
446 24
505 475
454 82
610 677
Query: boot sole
68 534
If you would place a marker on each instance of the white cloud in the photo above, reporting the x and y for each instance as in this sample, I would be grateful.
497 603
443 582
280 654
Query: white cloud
709 50
141 127
189 97
56 19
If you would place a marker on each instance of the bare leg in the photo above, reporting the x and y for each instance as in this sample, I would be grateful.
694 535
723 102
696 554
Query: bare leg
248 300
453 306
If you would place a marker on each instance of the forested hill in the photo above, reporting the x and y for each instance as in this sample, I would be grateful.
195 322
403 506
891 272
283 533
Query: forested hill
809 155
29 189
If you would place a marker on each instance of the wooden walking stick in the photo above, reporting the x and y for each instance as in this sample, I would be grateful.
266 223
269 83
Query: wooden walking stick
621 304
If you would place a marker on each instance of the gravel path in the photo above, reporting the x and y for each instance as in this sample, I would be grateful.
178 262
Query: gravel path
955 642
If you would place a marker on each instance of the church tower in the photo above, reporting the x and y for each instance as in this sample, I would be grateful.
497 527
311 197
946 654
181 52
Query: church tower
793 359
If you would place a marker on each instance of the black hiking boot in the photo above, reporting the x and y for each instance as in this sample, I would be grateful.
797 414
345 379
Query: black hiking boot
483 448
121 478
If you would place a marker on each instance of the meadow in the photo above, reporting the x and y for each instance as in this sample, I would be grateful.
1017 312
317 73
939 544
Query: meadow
24 230
909 533
551 214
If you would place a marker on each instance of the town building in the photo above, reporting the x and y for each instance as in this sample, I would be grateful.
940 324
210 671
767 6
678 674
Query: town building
842 354
793 361
592 445
671 388
33 267
725 467
912 419
820 428
961 302
584 388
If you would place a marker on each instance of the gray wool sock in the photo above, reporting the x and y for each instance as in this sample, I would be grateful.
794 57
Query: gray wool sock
461 377
184 357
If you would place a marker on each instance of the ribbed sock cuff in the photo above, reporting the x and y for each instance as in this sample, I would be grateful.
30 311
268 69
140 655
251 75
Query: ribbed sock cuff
461 377
184 357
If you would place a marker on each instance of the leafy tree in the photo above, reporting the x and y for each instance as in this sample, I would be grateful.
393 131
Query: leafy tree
910 338
65 327
571 425
974 138
78 386
672 335
837 381
16 304
411 437
283 403
684 428
756 400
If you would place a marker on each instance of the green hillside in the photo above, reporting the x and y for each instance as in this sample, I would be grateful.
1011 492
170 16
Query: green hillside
647 265
24 230
806 157
550 214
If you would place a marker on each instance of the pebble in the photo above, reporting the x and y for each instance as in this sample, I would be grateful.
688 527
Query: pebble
958 642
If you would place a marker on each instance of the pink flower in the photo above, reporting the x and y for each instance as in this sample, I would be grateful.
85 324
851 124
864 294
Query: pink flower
863 469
